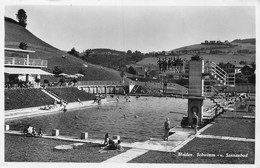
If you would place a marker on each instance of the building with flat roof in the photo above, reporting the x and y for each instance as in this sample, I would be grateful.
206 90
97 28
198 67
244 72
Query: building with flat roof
20 70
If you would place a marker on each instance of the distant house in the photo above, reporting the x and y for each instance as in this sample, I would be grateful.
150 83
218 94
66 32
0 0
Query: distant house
212 42
152 74
247 70
226 42
219 42
137 70
228 67
238 68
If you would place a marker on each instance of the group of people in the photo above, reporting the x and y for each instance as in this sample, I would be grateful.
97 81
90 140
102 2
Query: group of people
54 105
109 144
31 131
169 63
167 127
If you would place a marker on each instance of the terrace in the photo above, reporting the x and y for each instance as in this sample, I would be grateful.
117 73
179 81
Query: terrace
16 61
11 59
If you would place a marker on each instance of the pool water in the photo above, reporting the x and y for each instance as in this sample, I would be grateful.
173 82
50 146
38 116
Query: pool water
149 123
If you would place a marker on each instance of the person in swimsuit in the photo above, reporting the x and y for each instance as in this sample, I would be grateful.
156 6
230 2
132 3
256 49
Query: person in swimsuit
166 129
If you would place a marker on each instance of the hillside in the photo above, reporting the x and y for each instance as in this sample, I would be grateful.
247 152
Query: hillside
111 58
239 50
14 34
250 41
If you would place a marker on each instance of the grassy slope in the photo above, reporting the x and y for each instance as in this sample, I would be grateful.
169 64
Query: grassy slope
30 149
211 57
14 34
241 45
71 94
23 98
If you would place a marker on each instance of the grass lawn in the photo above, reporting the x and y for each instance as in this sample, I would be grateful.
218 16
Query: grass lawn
71 94
214 147
229 125
30 149
24 98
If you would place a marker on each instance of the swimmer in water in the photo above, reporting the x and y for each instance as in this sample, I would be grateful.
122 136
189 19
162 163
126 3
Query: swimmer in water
124 116
136 116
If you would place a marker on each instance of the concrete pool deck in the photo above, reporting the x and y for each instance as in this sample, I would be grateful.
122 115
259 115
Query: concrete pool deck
36 111
153 144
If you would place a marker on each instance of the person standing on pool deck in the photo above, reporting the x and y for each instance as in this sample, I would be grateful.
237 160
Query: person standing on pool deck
195 122
166 129
99 103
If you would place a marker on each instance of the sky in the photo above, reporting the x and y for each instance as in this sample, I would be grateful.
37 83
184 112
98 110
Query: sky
142 28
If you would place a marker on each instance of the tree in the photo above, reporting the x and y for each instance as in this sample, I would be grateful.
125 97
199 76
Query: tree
74 52
240 78
242 62
46 81
56 70
82 71
196 57
23 46
251 79
122 69
221 65
163 52
22 17
129 52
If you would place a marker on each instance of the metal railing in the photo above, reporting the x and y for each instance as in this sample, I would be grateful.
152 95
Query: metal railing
114 83
24 61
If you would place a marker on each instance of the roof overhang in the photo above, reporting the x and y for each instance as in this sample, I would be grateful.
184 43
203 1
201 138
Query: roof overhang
37 71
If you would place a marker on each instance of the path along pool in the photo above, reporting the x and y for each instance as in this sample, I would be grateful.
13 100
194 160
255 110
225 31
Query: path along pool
144 119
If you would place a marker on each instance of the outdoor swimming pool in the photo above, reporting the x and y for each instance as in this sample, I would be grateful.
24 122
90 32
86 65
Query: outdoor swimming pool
151 112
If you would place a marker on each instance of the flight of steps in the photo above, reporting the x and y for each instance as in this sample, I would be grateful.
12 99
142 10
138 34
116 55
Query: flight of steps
54 96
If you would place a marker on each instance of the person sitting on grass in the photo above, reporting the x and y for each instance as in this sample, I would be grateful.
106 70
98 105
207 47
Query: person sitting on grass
29 131
112 146
46 107
34 133
40 133
96 99
106 139
118 147
25 131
